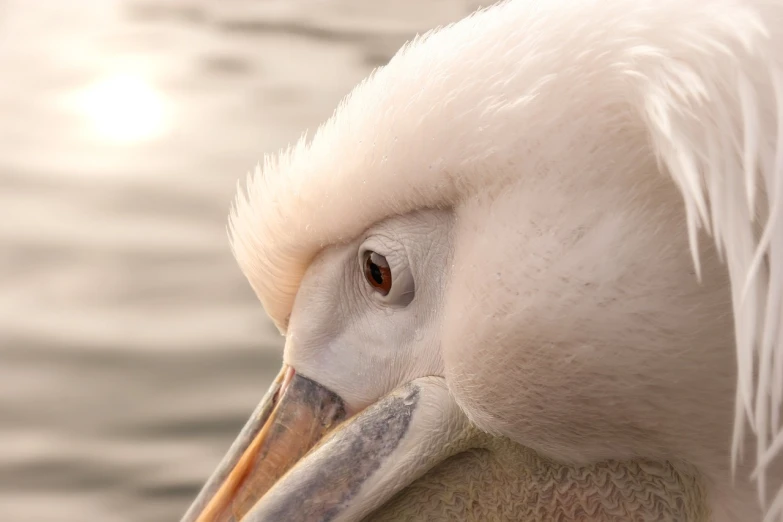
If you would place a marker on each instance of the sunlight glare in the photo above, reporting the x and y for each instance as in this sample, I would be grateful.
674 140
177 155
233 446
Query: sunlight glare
124 108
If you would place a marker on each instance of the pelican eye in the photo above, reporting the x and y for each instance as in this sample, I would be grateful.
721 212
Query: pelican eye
377 273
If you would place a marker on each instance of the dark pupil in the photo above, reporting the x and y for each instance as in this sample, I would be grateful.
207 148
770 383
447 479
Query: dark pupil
375 273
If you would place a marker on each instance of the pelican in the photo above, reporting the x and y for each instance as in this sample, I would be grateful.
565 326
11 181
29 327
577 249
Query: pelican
531 269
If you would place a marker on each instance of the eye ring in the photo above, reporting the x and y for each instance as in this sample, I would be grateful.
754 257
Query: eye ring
377 273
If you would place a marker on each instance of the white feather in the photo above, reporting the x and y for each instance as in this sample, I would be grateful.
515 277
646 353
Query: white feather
703 79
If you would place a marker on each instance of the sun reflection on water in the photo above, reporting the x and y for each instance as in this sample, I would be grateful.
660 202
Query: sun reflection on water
123 108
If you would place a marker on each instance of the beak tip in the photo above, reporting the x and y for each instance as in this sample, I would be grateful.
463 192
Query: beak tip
293 417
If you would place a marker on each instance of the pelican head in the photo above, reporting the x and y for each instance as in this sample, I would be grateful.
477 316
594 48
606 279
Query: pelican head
488 264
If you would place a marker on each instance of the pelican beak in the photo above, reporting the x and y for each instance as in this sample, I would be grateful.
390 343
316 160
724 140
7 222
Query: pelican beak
292 417
286 465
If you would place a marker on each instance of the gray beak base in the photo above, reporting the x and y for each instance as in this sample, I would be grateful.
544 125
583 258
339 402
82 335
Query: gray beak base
290 464
363 463
292 417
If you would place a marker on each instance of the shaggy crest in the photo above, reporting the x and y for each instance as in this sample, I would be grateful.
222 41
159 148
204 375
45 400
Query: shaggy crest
702 79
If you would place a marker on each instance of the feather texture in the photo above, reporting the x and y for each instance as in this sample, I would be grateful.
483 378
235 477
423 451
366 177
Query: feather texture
502 481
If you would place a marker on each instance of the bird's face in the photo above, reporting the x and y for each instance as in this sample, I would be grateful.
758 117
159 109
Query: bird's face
368 313
366 321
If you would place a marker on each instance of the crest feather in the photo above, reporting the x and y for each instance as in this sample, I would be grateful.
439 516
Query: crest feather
715 123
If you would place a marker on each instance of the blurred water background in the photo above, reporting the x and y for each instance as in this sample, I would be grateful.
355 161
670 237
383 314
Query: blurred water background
131 348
